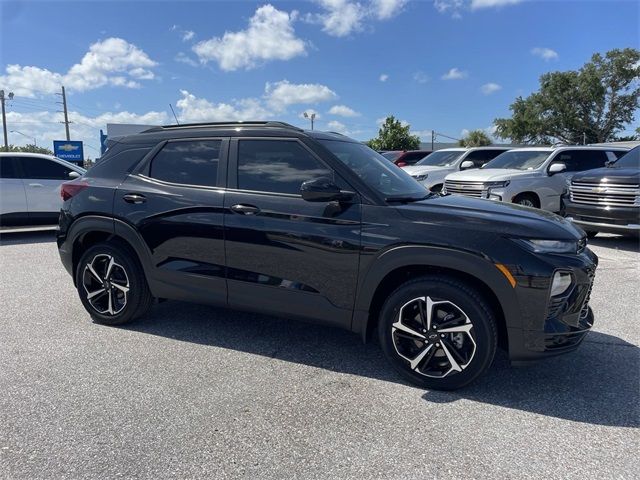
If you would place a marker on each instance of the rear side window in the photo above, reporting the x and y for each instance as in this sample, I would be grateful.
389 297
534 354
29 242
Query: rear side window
615 154
278 166
119 160
192 162
7 168
579 160
43 169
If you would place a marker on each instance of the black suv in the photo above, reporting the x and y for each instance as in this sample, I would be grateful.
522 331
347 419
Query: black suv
264 216
607 199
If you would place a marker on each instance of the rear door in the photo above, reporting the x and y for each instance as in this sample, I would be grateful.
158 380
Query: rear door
175 202
286 255
42 180
13 200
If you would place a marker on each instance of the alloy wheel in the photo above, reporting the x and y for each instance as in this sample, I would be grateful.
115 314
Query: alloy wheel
526 202
435 337
106 285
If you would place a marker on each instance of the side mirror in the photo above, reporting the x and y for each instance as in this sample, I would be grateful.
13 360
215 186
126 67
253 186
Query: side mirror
467 164
557 168
73 174
323 190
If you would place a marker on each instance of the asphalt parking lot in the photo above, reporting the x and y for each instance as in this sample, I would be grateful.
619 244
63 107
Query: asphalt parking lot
194 391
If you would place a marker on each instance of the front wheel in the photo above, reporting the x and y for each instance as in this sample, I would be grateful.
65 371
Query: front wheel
438 333
112 285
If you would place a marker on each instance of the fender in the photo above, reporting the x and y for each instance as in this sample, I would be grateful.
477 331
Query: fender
472 264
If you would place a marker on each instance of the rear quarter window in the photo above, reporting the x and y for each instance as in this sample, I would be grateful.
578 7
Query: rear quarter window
119 161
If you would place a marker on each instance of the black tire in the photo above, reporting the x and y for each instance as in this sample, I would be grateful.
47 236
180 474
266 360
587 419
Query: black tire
591 234
469 302
437 188
527 200
138 298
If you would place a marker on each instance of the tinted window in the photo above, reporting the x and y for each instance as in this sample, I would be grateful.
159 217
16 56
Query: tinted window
391 155
276 166
192 162
519 159
411 158
7 168
579 160
43 169
480 157
441 158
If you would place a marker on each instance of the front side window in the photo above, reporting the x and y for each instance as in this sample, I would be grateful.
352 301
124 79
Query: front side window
519 160
278 166
192 162
374 170
38 168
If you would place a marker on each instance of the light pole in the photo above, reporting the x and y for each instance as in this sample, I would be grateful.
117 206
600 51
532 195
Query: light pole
4 118
35 143
311 117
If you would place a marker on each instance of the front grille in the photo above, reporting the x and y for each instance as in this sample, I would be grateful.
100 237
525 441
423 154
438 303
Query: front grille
605 194
469 189
585 304
582 244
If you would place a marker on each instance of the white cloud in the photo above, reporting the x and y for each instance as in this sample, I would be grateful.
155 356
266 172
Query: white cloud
343 111
269 36
113 61
194 109
281 94
188 35
336 126
489 88
385 9
544 53
384 77
421 77
183 58
477 4
454 74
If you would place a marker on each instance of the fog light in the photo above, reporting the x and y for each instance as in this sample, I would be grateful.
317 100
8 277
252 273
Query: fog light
560 284
493 196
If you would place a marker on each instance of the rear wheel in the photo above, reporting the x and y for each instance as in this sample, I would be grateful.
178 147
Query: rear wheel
438 333
436 188
111 284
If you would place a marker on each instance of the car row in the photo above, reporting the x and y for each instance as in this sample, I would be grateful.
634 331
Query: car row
316 226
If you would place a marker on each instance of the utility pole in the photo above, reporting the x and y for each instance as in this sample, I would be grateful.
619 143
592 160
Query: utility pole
4 119
433 138
66 115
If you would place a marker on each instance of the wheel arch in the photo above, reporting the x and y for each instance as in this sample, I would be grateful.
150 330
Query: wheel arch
528 193
399 264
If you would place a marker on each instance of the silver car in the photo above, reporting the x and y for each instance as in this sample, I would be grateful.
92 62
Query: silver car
534 177
431 170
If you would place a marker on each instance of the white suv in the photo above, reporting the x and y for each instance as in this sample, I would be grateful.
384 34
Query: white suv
30 187
431 170
534 177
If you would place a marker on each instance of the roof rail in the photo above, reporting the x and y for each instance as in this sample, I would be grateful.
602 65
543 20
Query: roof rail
251 123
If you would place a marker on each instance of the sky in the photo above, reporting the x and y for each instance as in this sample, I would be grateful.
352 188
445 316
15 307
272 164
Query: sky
444 65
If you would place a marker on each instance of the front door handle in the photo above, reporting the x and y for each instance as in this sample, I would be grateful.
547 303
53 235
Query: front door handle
244 209
37 185
134 198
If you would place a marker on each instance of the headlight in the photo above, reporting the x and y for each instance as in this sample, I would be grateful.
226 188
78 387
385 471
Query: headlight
502 184
560 283
549 246
421 177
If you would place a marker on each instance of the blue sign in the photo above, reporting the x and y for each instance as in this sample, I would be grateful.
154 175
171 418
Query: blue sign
71 150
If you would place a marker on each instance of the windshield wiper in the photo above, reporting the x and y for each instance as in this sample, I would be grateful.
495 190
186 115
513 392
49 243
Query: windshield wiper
408 199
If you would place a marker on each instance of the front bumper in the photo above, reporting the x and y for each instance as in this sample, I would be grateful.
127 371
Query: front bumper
602 218
553 325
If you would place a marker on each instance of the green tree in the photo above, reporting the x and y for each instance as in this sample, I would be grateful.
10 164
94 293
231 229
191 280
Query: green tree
394 136
475 138
592 103
30 149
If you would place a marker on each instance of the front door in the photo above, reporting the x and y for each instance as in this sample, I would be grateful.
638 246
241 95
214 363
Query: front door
286 255
175 202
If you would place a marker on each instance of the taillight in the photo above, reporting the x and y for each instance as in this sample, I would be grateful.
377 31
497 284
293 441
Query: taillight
400 163
71 189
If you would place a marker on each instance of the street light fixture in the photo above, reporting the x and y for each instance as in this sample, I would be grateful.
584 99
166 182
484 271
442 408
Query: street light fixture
311 117
35 143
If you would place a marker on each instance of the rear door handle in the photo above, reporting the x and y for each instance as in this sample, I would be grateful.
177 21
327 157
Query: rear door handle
244 209
134 198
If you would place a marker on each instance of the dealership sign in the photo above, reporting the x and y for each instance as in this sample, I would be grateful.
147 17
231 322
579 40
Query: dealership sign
70 150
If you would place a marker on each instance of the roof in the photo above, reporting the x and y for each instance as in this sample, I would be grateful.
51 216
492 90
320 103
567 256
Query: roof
569 147
28 154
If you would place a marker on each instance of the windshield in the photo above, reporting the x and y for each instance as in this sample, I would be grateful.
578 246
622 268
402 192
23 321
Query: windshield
519 160
629 159
441 158
374 170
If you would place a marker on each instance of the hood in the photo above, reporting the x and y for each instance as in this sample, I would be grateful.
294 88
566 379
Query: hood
627 175
490 174
495 217
422 169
